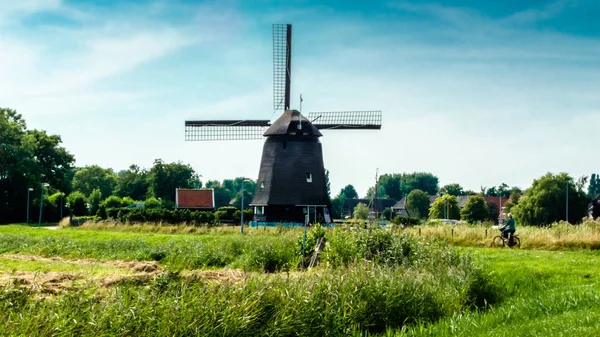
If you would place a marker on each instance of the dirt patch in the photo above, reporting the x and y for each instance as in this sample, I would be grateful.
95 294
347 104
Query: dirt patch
134 266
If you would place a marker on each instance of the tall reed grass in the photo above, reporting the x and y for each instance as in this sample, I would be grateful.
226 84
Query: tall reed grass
558 236
361 297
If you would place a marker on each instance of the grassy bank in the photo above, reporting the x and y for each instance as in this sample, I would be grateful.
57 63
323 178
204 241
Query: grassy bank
253 253
545 294
369 281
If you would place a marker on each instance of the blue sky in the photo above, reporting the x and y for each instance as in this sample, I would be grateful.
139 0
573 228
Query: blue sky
476 92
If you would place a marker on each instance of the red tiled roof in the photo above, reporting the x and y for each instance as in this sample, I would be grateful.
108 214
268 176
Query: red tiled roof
198 198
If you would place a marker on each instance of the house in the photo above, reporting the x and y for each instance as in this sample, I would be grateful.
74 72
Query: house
197 199
379 205
399 208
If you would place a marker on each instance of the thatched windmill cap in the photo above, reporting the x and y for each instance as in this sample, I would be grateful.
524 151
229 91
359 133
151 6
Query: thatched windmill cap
287 124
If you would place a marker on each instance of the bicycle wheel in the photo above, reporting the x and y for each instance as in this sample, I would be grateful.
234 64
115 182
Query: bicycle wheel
517 242
498 242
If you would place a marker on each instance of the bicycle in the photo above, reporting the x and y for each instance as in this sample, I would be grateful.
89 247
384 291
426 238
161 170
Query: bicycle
501 241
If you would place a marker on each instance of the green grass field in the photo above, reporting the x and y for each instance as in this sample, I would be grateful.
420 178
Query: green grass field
92 280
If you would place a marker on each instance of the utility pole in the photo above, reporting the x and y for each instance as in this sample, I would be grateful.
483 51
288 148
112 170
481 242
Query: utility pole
567 203
28 190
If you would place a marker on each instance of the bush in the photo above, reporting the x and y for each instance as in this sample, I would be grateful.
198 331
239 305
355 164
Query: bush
406 221
77 203
475 210
113 202
374 244
152 203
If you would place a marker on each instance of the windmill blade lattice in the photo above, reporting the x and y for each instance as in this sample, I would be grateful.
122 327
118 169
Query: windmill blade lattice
346 120
282 65
225 130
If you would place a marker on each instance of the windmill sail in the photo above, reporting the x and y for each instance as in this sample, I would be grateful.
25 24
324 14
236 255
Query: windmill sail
282 66
346 120
225 130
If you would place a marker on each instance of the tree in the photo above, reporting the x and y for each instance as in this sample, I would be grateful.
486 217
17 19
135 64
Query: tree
93 177
77 203
133 183
452 189
349 192
361 211
545 201
417 204
493 213
594 186
337 203
475 210
164 179
397 186
95 199
236 191
501 191
445 207
223 196
381 194
391 184
28 158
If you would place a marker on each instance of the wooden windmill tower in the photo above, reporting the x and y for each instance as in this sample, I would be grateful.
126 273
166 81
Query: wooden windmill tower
291 180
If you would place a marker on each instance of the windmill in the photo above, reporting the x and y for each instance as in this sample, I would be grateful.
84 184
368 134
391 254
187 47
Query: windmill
291 180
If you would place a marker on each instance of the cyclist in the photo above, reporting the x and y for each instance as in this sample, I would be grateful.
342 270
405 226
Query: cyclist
509 227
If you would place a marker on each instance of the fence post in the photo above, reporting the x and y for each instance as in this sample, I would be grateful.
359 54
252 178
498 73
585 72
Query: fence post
419 231
452 232
486 232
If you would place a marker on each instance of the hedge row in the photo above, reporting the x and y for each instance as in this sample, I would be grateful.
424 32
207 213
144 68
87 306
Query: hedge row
176 216
406 221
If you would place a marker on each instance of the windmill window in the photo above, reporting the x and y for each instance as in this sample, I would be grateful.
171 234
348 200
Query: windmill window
309 177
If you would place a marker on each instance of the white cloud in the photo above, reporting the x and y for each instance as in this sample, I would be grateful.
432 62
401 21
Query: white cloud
11 10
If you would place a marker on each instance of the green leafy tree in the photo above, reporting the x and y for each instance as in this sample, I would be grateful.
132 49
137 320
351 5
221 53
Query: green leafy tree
77 203
164 179
397 186
545 201
337 203
381 193
493 213
475 210
95 199
349 192
594 186
28 158
452 189
417 204
133 183
249 188
93 177
446 207
223 195
361 211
